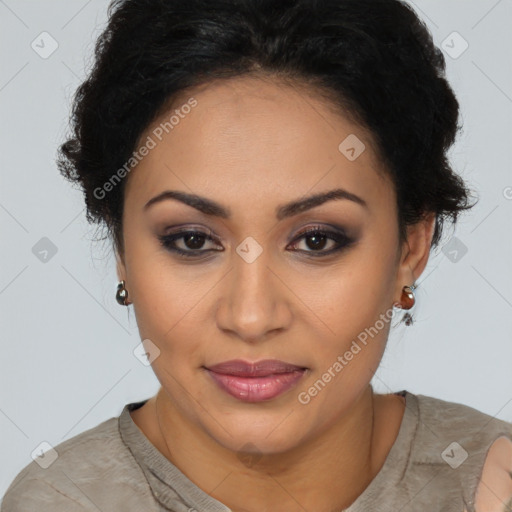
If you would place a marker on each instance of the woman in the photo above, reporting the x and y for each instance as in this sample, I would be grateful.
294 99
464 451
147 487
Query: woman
273 176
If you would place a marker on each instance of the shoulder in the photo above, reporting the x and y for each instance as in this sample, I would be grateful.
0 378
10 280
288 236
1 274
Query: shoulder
441 420
83 473
472 430
472 449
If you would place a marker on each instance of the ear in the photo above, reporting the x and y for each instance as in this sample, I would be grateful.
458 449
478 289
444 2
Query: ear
415 253
120 266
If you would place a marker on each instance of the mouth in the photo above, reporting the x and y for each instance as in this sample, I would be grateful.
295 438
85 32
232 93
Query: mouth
255 382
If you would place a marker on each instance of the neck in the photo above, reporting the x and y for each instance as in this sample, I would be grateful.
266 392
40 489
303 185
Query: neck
325 474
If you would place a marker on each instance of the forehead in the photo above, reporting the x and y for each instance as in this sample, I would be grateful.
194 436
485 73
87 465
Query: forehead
248 140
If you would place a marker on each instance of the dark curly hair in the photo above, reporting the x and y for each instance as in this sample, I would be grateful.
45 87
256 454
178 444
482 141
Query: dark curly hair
372 60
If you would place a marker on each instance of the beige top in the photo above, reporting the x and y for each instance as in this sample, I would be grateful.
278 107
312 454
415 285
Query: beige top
438 463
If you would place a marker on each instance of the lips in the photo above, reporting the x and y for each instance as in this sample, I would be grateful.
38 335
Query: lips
255 382
258 369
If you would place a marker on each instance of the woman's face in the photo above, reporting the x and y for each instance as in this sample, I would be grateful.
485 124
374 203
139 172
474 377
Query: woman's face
253 152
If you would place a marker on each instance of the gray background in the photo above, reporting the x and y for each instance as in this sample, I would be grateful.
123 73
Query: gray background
67 347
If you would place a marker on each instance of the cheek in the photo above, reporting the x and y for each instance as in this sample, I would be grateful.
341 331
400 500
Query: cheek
165 312
356 306
166 301
158 287
355 295
175 310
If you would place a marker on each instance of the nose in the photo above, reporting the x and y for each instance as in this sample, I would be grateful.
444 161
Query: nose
255 302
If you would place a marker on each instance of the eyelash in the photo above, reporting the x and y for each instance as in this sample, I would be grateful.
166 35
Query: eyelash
343 241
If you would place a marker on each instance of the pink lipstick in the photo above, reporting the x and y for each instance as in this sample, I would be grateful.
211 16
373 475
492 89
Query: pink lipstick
255 382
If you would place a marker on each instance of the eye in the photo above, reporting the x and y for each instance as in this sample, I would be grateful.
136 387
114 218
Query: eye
191 241
317 238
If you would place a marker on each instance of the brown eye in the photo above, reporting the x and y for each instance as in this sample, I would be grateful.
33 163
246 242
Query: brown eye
317 238
192 242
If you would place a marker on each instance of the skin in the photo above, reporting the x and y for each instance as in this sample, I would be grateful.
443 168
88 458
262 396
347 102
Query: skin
252 145
494 491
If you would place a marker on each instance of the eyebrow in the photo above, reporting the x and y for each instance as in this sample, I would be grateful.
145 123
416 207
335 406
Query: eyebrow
210 207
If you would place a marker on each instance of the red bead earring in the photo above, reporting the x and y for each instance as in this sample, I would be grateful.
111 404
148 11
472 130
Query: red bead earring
407 302
408 298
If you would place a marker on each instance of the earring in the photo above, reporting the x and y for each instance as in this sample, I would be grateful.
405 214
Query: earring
122 294
407 302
